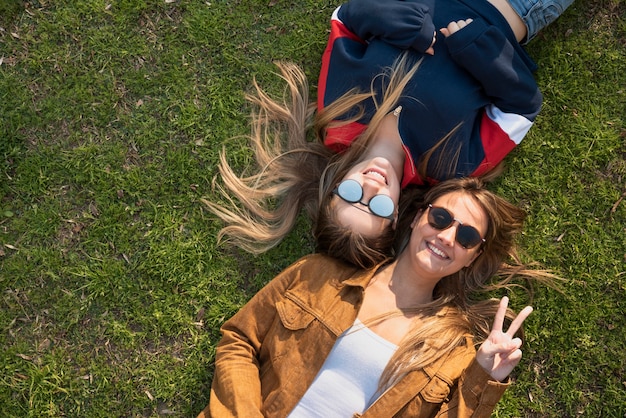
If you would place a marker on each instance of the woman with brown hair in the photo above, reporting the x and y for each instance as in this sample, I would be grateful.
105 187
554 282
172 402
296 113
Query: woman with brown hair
325 338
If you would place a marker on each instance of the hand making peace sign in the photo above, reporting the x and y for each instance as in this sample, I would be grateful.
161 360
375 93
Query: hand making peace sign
500 352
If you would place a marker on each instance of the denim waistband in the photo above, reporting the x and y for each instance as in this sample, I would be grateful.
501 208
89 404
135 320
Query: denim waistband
537 14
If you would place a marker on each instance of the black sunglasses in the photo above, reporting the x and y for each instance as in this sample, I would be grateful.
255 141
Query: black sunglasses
380 205
440 218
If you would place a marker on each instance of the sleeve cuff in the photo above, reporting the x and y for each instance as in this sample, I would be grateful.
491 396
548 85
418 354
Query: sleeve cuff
425 38
486 390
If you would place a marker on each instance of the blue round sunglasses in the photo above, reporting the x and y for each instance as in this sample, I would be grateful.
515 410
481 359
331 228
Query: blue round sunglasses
380 205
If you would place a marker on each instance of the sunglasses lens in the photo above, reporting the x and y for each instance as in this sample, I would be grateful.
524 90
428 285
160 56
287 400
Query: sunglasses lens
468 236
439 218
350 191
381 205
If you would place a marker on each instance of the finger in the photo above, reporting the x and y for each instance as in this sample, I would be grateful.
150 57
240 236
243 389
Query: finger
445 32
512 358
500 314
453 27
505 349
502 349
518 321
464 23
507 364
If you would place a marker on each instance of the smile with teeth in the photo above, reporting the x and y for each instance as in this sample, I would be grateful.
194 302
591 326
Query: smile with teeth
377 174
436 250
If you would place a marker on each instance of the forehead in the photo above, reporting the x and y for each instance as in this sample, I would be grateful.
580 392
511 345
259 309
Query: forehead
465 208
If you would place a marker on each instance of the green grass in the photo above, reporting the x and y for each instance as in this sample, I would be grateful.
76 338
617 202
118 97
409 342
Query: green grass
112 115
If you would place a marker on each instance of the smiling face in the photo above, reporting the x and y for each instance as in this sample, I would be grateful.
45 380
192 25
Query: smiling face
376 177
435 253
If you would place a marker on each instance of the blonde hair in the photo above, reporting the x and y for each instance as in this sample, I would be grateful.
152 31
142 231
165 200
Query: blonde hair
295 173
263 207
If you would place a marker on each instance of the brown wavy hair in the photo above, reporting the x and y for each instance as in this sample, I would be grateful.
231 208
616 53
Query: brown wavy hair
457 311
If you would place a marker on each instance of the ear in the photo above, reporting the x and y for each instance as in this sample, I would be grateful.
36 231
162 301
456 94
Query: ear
474 258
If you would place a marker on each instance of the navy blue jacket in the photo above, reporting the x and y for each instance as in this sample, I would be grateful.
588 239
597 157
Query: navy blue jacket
479 79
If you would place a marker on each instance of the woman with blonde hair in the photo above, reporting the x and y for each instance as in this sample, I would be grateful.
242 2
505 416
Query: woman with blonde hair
325 338
295 173
400 107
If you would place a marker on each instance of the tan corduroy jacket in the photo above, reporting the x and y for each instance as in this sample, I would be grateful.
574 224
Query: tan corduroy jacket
272 349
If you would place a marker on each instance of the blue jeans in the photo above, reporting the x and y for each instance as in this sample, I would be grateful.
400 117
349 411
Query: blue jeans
537 14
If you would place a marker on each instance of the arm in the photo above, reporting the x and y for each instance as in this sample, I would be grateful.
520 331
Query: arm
236 387
506 77
404 24
476 395
481 386
486 53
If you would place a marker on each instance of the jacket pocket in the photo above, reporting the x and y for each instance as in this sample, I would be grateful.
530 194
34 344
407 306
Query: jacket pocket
436 391
292 316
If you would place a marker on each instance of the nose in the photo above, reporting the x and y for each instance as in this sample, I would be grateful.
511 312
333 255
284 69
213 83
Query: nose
370 189
448 235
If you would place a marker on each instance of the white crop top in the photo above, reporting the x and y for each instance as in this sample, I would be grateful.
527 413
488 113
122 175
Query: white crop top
348 380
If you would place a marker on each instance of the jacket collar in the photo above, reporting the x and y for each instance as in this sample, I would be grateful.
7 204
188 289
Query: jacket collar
362 277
